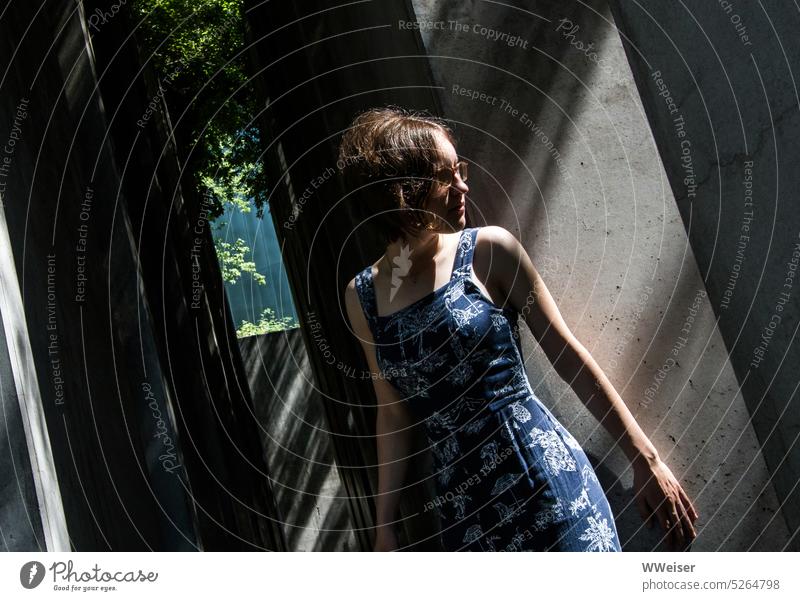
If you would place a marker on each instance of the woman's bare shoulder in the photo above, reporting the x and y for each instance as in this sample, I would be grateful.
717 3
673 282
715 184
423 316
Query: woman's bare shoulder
496 236
495 246
495 260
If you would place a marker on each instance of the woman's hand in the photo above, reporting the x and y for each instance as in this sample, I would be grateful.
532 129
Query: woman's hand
385 539
661 498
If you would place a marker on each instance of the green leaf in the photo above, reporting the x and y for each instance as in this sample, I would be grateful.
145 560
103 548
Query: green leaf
267 323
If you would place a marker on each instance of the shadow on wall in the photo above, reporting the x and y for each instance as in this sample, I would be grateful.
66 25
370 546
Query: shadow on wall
545 107
298 444
512 80
715 80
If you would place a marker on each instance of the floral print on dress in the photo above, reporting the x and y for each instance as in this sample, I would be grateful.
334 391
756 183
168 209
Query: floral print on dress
489 542
459 501
507 513
446 474
431 362
409 379
504 482
521 414
548 516
517 381
588 475
476 425
508 476
556 455
488 452
581 503
599 535
473 533
498 322
447 450
462 316
452 418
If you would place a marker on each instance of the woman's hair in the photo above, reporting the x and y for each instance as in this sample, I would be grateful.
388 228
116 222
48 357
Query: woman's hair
391 156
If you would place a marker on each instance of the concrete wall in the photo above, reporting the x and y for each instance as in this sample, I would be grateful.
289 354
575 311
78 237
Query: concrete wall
76 273
20 521
546 109
142 400
317 63
298 449
724 75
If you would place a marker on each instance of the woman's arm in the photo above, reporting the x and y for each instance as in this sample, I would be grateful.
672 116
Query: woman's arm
658 493
392 430
393 444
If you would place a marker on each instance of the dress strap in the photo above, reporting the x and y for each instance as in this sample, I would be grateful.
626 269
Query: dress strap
466 247
366 295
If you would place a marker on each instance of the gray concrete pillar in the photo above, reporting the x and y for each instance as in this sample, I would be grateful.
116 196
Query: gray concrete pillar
547 110
717 82
31 510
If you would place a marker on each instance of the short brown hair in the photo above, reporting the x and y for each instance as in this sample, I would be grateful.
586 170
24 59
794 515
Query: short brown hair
390 154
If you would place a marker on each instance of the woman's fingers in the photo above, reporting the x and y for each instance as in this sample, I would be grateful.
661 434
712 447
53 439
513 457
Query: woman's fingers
678 537
687 502
644 511
666 525
670 519
686 518
687 532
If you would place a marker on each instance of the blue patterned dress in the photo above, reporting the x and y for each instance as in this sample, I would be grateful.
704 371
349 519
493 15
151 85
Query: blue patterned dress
508 475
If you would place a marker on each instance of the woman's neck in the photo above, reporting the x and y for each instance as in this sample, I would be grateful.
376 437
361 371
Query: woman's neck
415 254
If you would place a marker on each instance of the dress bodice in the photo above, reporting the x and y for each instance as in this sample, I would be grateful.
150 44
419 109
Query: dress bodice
452 345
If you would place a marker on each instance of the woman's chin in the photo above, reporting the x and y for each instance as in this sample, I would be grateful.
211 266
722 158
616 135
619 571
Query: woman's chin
452 222
458 219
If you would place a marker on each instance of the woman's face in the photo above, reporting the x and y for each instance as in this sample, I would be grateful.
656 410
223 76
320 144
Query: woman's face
448 202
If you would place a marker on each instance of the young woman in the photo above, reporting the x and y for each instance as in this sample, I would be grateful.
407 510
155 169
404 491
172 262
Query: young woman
437 317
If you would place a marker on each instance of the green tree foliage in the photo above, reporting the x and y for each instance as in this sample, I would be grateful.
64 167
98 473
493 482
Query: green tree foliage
267 323
232 261
196 48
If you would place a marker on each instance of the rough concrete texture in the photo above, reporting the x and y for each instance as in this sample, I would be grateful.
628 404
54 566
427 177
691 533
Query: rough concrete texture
722 74
20 520
115 492
298 447
564 158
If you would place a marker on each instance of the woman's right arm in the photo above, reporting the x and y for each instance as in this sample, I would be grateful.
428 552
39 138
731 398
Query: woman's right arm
392 430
